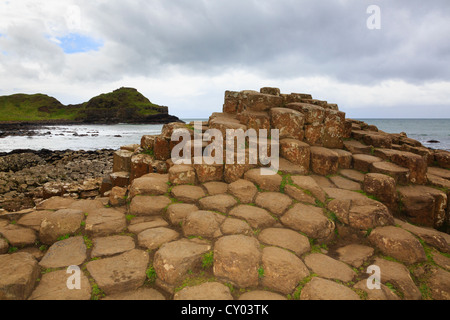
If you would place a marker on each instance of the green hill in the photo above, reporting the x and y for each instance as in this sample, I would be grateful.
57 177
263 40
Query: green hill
125 105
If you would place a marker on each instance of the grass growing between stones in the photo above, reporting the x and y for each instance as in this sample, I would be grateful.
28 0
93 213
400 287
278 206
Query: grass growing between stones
301 285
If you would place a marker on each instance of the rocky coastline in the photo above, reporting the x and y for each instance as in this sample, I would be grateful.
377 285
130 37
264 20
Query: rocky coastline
29 176
353 213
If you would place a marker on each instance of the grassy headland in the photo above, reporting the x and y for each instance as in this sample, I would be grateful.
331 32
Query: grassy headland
122 105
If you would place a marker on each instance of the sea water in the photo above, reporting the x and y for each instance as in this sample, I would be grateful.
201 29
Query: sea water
94 137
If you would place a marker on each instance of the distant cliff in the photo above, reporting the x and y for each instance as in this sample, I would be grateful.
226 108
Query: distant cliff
124 105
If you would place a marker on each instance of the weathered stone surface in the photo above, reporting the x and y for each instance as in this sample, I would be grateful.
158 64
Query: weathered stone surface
307 183
363 162
275 202
398 275
329 268
173 260
285 238
214 188
321 289
149 223
344 183
439 283
398 243
313 114
352 175
120 179
432 237
187 193
399 174
108 246
296 152
141 164
289 122
357 147
265 182
358 212
53 286
233 226
120 273
324 161
122 161
208 172
182 174
18 236
203 223
257 218
154 238
105 222
313 134
55 203
237 259
443 159
255 120
60 223
142 294
206 291
148 142
19 273
309 220
345 158
299 194
416 164
69 252
270 90
149 206
383 294
33 219
161 148
255 101
117 197
178 211
282 270
333 129
151 184
355 254
260 295
381 186
221 203
423 205
4 246
244 190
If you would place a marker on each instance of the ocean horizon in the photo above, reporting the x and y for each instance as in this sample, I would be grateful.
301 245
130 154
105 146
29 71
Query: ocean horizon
94 137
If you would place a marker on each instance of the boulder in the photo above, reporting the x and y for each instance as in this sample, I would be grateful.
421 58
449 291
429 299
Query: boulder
322 289
398 243
60 223
174 260
19 274
121 273
237 259
289 123
296 152
324 161
282 270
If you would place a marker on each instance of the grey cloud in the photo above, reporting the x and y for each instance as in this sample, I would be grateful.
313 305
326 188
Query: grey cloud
278 38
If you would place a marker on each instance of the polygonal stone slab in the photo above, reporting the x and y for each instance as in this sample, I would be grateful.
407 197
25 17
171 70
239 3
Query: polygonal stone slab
64 253
53 286
237 259
19 273
285 238
205 291
120 273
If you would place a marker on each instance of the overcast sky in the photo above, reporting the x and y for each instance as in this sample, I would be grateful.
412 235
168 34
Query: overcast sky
186 53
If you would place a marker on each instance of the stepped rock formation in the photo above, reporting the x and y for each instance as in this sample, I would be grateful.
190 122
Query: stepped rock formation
345 197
